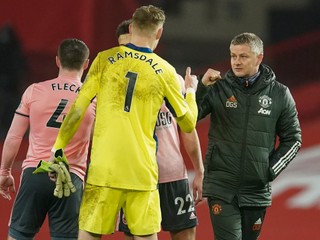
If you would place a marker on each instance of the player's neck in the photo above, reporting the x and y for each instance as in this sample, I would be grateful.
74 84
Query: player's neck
70 74
143 42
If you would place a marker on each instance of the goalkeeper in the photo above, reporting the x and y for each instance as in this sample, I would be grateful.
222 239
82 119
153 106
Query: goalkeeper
42 109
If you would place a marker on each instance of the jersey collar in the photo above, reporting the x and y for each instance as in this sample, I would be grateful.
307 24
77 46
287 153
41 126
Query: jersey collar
140 49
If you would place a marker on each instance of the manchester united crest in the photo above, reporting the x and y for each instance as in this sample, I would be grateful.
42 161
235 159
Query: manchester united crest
265 101
216 209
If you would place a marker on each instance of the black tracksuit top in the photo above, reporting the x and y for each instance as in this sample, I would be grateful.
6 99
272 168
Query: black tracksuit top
243 155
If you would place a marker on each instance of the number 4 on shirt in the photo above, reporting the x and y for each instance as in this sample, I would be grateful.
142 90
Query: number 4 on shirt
53 121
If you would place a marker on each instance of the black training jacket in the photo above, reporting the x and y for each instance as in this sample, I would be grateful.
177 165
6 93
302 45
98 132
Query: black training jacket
243 156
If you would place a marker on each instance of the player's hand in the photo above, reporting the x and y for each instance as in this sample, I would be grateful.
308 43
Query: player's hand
58 171
197 187
52 174
56 157
64 185
210 77
6 184
190 81
68 186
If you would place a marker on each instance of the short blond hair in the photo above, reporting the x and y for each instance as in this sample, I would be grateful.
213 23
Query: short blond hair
148 18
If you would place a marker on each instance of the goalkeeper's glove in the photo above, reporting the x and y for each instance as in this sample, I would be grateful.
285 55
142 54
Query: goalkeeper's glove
65 174
60 166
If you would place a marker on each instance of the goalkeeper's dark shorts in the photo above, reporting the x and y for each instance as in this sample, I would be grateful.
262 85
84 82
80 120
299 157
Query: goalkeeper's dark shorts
177 208
35 200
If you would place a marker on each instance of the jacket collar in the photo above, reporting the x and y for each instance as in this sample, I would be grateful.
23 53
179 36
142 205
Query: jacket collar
261 81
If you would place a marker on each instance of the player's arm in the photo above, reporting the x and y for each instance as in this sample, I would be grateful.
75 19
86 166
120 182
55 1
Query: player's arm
192 146
10 150
188 121
72 121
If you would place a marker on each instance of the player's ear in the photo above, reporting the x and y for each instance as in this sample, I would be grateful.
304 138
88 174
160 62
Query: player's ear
86 64
159 33
58 63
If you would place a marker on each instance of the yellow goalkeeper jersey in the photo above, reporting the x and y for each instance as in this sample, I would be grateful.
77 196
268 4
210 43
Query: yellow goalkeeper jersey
130 84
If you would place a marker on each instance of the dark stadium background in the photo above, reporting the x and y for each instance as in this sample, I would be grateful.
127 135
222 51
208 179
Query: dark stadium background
30 32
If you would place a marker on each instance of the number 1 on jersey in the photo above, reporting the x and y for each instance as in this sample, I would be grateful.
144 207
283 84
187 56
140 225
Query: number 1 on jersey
132 82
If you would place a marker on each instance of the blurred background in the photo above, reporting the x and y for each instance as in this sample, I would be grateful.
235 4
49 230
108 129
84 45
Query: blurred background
197 34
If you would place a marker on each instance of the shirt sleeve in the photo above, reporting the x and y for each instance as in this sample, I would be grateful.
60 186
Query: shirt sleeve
90 87
185 109
24 106
289 132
